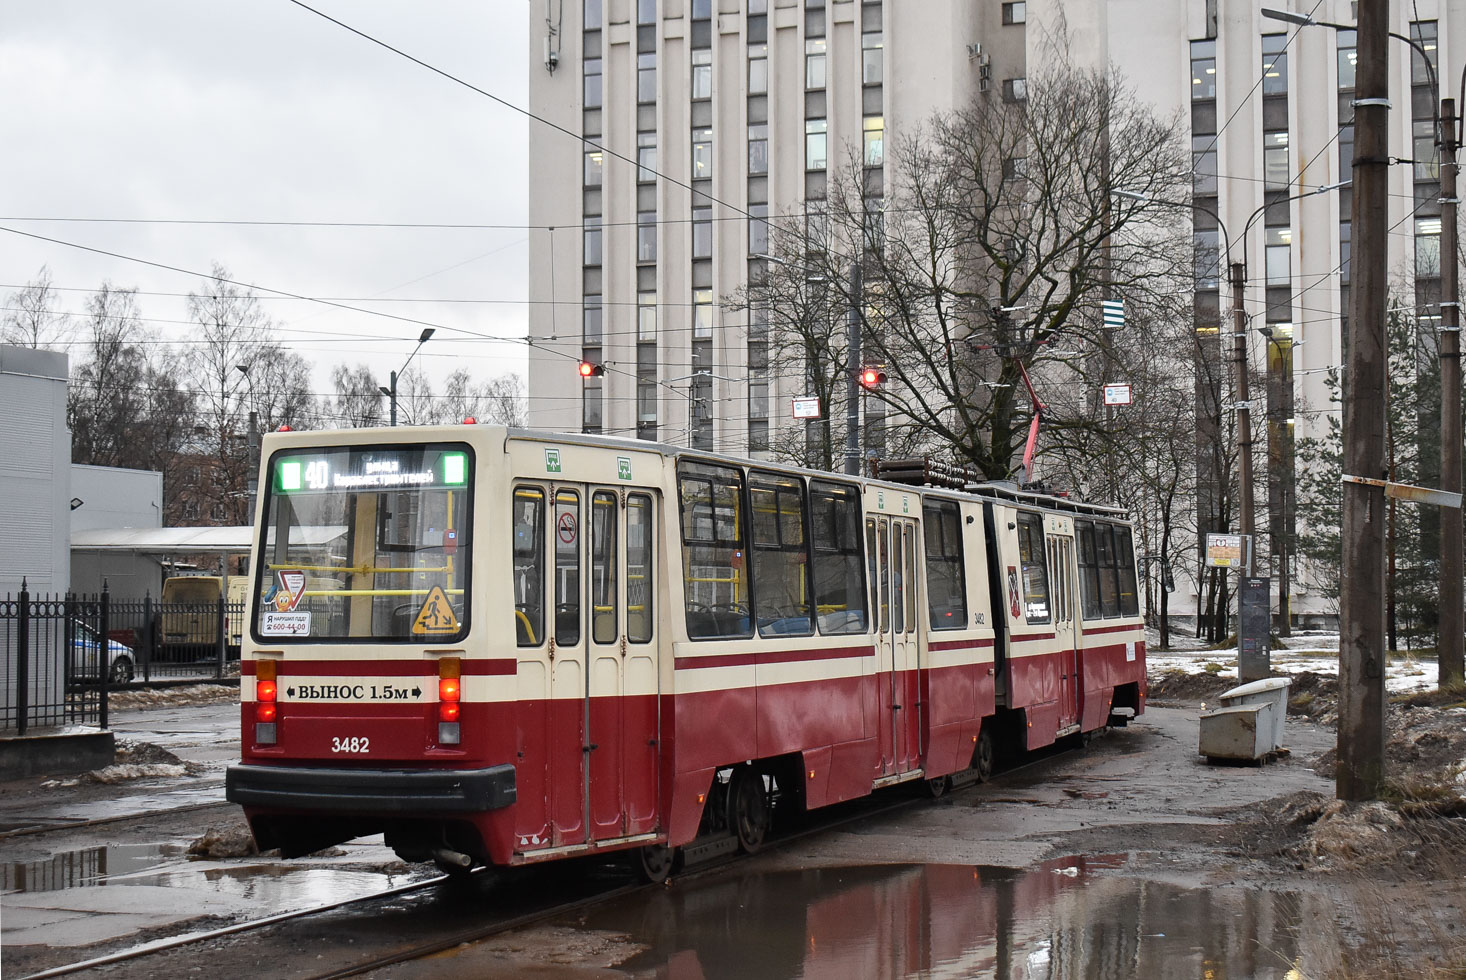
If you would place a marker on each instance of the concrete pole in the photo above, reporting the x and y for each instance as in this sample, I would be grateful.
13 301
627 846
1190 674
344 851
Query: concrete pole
1360 774
1450 643
1244 412
853 439
392 398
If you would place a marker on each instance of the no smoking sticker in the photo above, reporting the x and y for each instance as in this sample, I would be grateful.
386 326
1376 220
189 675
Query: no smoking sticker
565 528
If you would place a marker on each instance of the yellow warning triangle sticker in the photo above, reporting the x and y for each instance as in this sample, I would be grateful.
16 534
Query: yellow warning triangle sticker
436 615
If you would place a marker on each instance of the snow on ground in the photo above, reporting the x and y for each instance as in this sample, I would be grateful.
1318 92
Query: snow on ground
1312 651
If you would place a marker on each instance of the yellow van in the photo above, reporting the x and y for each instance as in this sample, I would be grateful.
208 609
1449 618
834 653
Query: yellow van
190 616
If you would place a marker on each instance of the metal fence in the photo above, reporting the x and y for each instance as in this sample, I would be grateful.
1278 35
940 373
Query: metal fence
60 655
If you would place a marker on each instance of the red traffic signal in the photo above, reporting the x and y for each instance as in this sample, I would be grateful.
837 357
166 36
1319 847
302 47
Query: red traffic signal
589 369
872 377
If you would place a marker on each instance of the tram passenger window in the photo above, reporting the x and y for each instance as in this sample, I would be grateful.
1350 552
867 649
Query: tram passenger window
839 584
640 572
1109 575
909 536
946 588
1125 564
780 554
1088 570
714 586
567 567
883 563
604 596
529 565
898 573
1035 573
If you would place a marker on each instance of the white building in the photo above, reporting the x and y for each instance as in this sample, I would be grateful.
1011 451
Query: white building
743 105
35 519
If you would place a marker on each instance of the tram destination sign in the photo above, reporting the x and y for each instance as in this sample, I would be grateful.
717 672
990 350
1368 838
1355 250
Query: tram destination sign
371 468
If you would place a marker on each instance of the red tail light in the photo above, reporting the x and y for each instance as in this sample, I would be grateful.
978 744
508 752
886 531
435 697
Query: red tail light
450 689
264 712
264 691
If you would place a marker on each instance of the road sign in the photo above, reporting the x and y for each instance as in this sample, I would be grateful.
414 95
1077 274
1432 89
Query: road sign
1117 394
806 408
1114 313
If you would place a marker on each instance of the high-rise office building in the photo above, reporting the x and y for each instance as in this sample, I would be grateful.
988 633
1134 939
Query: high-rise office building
687 125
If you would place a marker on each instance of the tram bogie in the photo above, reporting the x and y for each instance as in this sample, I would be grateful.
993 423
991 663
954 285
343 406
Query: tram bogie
504 647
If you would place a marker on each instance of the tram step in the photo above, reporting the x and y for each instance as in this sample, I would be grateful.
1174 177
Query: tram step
707 848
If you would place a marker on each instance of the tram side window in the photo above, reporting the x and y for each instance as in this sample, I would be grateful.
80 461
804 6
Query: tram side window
1035 572
640 580
1089 572
874 562
1109 575
604 596
839 585
946 589
780 554
1125 564
714 586
529 565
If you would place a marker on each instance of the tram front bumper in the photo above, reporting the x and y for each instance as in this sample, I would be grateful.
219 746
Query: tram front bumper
408 791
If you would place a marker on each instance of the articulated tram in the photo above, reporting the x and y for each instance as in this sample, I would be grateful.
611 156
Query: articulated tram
503 647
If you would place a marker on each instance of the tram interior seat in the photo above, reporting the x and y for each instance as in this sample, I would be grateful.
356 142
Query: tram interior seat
843 621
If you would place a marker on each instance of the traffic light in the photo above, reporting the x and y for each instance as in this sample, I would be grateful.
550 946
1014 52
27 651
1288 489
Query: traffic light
589 369
872 377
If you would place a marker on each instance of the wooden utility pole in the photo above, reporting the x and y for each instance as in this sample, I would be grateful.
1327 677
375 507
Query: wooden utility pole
1450 658
1360 774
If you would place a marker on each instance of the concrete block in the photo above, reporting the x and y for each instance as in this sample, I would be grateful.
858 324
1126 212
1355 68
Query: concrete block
55 754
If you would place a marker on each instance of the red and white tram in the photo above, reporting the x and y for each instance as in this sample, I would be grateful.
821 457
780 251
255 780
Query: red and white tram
501 646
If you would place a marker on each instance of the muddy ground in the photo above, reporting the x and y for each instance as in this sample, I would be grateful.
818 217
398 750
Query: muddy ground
1395 869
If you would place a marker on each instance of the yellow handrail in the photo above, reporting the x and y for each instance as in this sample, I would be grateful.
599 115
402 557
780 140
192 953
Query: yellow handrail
362 569
528 627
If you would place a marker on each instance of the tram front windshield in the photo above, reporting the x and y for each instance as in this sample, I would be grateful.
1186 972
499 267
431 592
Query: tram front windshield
366 543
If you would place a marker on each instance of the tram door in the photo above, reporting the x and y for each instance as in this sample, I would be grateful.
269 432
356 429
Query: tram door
1062 575
605 634
892 545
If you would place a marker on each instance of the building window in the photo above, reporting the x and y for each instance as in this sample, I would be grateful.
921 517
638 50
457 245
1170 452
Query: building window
593 163
1423 32
1427 247
816 225
1204 165
1274 64
1203 70
814 63
591 321
1279 255
646 156
1207 244
646 77
1427 159
646 400
702 153
758 435
702 314
702 73
646 316
816 142
875 223
592 83
758 148
590 400
758 323
1275 176
1015 89
592 14
871 57
875 141
646 11
702 9
702 233
1348 57
592 240
758 229
646 236
758 69
1015 168
1015 13
1346 234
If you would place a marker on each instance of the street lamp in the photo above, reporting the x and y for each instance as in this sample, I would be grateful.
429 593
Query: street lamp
391 392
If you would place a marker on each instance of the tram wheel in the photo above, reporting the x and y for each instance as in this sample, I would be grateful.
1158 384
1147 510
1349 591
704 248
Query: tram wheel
937 788
748 809
982 756
654 863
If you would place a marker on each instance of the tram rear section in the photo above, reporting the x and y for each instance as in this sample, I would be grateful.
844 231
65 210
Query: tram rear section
504 647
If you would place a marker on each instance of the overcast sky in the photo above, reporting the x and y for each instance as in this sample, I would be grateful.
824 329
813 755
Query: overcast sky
263 111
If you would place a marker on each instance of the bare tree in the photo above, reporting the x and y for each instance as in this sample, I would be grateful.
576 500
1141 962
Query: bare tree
358 400
33 320
991 245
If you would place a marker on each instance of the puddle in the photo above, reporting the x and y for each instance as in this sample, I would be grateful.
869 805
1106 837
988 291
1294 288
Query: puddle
1058 920
84 868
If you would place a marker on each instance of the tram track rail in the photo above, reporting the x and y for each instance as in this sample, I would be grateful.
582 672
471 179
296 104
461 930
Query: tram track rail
894 800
